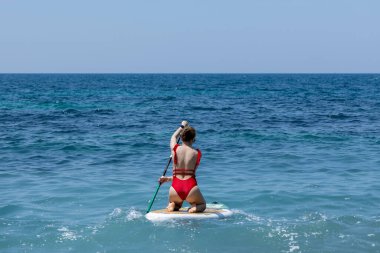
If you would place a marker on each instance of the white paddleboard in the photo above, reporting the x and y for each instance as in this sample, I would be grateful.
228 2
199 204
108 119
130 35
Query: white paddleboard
213 211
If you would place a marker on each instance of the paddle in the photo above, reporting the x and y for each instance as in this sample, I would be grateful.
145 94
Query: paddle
159 183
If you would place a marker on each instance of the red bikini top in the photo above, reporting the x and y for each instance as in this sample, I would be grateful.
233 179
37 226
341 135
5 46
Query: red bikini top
184 171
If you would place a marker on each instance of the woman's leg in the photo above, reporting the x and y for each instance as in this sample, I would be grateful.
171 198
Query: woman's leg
175 202
196 200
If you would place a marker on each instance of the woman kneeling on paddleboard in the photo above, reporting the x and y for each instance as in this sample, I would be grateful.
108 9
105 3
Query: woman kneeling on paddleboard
186 160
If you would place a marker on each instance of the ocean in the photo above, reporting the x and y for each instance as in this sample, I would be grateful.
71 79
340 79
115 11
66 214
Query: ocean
295 156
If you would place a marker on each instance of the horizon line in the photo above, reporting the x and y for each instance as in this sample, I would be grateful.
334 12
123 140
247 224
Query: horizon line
189 73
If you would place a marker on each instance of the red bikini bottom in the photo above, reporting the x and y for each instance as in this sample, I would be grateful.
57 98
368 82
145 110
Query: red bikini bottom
183 187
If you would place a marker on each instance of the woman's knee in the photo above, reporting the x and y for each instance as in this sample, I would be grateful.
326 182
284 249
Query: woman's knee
201 207
195 196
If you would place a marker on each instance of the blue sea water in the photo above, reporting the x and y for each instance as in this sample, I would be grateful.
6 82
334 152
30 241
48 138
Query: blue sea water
296 157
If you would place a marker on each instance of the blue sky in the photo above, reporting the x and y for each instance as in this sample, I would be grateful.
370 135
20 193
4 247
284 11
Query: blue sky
208 36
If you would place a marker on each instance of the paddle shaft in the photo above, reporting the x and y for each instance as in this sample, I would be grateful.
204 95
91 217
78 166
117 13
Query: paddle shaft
159 183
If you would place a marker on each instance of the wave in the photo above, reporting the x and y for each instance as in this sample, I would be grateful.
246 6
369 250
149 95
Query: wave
71 111
129 215
103 111
9 209
202 108
340 116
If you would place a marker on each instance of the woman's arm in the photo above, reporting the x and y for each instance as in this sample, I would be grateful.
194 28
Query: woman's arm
174 138
165 179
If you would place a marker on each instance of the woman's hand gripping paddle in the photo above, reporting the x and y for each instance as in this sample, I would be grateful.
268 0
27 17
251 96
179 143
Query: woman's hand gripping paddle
159 183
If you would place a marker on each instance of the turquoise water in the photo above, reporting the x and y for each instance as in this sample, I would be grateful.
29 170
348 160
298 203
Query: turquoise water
296 157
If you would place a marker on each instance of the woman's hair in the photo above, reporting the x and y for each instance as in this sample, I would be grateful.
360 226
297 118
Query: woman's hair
188 133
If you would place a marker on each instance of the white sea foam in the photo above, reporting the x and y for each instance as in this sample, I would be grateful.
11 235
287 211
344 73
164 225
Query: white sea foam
116 212
67 234
314 217
248 216
133 214
293 248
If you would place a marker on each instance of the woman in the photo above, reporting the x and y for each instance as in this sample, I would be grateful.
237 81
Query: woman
186 160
